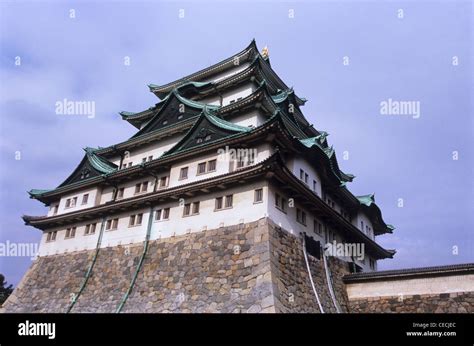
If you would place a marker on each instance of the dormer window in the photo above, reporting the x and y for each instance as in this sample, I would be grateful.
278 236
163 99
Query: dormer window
85 173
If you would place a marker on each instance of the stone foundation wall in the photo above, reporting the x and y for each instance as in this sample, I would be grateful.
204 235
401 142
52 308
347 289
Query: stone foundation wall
425 303
221 270
291 283
251 267
49 282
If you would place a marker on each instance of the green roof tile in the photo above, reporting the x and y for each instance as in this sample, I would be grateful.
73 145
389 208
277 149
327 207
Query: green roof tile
367 200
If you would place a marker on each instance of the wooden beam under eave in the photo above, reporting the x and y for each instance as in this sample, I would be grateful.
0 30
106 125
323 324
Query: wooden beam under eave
270 137
221 186
205 190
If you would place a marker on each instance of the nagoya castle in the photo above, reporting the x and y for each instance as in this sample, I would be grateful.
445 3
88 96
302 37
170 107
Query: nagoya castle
226 199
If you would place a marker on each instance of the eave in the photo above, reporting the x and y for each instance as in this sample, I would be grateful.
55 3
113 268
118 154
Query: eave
290 183
166 160
132 203
411 273
271 168
245 55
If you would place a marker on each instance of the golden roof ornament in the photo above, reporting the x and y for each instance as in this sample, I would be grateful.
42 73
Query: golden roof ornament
265 53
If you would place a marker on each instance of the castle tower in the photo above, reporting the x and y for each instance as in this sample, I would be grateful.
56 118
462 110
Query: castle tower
220 202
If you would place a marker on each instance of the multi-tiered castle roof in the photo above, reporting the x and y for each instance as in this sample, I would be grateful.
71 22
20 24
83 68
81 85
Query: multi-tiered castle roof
238 102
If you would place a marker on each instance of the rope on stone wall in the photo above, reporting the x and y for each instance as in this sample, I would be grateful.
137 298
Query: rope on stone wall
310 276
330 285
89 270
140 263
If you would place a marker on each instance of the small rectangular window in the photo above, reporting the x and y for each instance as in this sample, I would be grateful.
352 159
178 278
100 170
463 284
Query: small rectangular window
158 215
130 164
258 195
277 200
150 158
108 224
73 202
55 209
218 203
196 208
51 236
314 185
201 168
211 165
68 203
137 187
90 228
166 213
301 216
144 160
301 174
120 192
240 161
70 232
163 181
306 178
251 159
132 221
228 201
187 209
183 174
145 186
139 219
114 223
85 198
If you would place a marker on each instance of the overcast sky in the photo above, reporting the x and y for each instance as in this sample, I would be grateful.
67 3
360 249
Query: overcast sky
345 57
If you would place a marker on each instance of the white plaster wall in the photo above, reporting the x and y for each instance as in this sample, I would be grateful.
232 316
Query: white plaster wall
288 222
228 73
156 149
254 118
244 210
362 217
222 165
62 245
124 234
407 287
243 91
90 201
295 164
